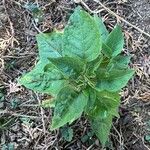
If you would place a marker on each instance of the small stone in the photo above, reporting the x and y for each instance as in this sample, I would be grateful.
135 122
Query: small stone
77 1
97 143
1 104
19 135
35 135
26 143
12 137
15 127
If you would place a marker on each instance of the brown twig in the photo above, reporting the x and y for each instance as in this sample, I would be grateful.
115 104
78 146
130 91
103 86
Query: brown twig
114 14
11 40
18 115
42 113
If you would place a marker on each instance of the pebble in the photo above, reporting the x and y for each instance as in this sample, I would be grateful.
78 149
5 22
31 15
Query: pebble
77 1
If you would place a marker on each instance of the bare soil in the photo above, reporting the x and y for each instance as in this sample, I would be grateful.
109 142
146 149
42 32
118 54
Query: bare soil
24 125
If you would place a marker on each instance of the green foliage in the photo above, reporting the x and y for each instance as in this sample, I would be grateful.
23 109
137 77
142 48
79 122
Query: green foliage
83 70
37 12
9 146
115 41
67 66
102 29
101 125
81 38
69 106
14 103
67 133
147 138
87 138
46 80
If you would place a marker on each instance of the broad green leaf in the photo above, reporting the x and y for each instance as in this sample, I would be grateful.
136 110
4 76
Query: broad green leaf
49 82
49 45
69 106
107 100
101 125
69 66
106 50
113 80
115 112
81 37
102 28
94 65
91 100
119 62
110 101
115 41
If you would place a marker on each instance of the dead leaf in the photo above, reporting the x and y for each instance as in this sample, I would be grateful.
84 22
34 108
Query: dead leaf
14 87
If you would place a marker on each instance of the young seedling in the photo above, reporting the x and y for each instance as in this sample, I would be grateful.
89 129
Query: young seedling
83 70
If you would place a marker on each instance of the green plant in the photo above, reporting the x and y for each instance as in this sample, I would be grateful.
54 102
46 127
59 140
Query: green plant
83 70
67 133
35 10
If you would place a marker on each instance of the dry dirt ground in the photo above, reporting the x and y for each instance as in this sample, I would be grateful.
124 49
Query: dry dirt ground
24 125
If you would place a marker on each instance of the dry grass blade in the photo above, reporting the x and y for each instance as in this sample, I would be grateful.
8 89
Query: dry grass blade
114 14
